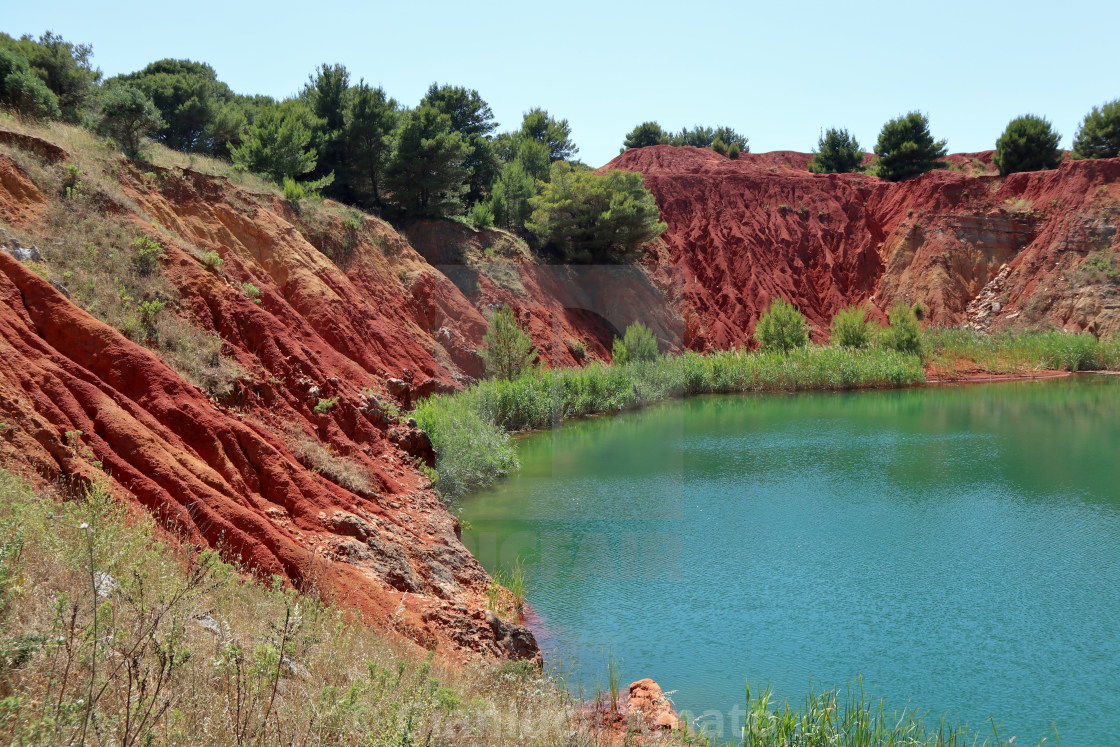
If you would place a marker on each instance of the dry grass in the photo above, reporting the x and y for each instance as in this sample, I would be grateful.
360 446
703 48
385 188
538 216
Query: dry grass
97 256
108 636
340 470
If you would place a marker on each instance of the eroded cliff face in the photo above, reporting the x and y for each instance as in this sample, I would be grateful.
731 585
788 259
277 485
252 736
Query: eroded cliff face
324 362
305 467
744 232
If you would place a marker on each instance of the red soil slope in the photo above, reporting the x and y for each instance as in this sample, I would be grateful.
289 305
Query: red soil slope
227 473
744 232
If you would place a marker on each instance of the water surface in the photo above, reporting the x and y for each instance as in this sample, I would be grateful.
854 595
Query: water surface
957 547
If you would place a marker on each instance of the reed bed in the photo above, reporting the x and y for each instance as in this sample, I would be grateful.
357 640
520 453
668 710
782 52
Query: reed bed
470 429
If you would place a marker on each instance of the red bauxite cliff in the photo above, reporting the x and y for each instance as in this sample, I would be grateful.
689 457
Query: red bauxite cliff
745 231
365 320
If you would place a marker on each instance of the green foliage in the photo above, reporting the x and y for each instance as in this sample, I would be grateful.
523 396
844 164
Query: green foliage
278 144
324 406
733 151
645 134
904 333
23 90
719 146
1051 350
212 260
555 134
326 94
838 152
370 121
426 175
906 148
510 199
1028 143
293 190
252 292
189 98
148 254
473 119
149 311
1098 136
507 349
850 328
781 328
481 215
128 116
589 217
706 137
468 429
63 67
638 345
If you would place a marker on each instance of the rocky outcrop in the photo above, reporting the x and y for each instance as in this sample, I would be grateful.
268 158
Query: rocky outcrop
746 231
306 467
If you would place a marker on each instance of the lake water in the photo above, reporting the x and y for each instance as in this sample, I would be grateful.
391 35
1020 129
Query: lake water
956 547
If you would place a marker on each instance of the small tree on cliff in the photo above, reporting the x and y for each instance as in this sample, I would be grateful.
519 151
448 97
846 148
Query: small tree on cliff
128 116
507 349
906 148
1028 144
1099 133
638 345
849 328
782 327
904 334
838 152
647 133
588 217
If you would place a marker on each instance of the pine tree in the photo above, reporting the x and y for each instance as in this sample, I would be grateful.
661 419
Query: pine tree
1028 144
838 152
426 174
507 349
369 124
1099 133
906 148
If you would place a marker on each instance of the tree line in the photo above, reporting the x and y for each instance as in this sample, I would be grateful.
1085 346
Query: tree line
352 142
906 148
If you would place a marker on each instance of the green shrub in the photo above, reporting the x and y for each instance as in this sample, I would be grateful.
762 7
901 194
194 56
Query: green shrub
481 215
576 348
128 116
148 254
906 148
1099 133
252 291
293 190
324 405
838 152
850 328
507 350
149 311
23 90
904 333
212 260
782 327
719 146
733 151
585 216
1028 144
637 345
645 134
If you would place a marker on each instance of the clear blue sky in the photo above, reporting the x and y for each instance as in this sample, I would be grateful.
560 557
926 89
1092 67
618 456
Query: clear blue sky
778 72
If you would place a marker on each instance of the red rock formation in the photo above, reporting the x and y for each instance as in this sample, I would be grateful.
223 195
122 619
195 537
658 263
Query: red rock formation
235 474
743 232
382 324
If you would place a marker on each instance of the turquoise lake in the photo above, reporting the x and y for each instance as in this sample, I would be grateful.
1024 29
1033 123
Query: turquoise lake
957 547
